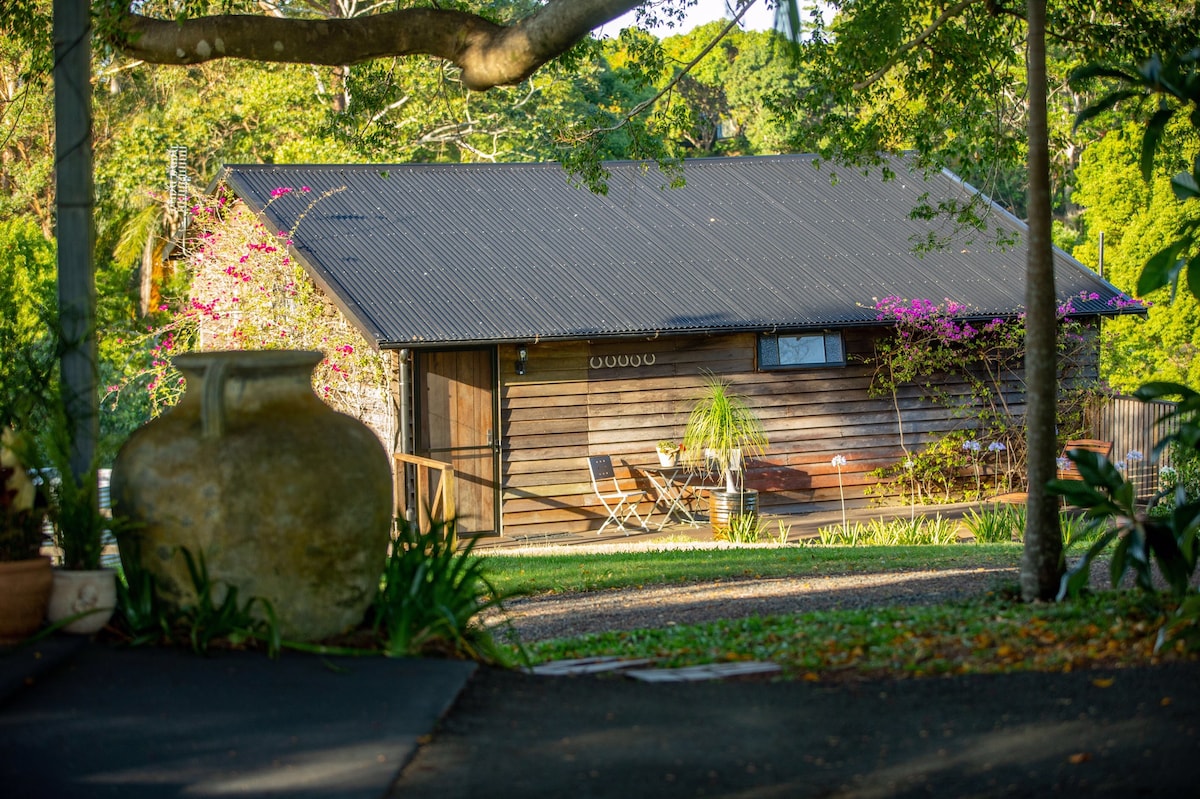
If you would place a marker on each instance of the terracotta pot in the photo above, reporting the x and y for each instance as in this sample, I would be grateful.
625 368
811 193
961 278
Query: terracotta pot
280 495
24 594
91 591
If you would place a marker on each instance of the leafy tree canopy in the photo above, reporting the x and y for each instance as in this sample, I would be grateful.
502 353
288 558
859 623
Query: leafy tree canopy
948 80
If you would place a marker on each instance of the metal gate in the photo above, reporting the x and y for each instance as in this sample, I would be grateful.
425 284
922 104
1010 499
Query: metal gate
1134 427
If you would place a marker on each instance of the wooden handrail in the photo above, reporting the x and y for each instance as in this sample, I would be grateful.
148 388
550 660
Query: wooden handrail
436 509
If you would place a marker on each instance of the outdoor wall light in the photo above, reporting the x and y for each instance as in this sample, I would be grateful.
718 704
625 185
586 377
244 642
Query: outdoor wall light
522 356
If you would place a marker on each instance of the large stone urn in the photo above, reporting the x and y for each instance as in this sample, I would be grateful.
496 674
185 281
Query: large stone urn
284 498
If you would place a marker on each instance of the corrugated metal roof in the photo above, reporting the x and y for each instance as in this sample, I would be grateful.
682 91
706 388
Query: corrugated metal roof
419 254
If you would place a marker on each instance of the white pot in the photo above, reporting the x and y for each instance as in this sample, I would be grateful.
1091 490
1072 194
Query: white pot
75 592
668 458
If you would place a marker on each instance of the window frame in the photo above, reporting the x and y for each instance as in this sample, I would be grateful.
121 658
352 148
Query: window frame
768 362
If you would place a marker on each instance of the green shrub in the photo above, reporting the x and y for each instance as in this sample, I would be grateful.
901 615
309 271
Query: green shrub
206 620
429 602
1078 529
1140 542
937 474
749 528
1179 483
896 532
144 619
432 596
996 524
843 535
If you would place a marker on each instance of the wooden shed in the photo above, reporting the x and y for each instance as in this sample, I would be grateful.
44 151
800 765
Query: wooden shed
531 324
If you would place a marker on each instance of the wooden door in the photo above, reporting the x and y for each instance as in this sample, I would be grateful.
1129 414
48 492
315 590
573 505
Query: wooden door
458 426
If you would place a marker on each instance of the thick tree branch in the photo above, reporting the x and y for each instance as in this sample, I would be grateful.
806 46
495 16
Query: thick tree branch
488 54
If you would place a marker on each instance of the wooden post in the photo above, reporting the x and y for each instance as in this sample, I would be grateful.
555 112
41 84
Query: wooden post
76 237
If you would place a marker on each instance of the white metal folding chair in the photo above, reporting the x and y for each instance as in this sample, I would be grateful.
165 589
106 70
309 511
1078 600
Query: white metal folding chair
621 505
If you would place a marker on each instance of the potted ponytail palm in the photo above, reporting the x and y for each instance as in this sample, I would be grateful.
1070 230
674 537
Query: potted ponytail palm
721 432
83 591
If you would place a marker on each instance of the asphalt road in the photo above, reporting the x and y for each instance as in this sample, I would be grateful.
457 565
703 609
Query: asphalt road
1107 733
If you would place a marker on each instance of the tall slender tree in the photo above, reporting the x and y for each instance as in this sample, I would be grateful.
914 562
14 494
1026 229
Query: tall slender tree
1041 562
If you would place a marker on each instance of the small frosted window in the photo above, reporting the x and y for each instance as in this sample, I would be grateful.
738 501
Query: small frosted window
807 349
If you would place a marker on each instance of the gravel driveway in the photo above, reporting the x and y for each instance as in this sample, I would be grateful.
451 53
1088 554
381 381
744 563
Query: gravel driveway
549 616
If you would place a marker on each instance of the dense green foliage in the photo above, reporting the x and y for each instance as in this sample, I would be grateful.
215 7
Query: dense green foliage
730 95
917 531
949 83
217 618
27 303
996 524
1137 218
432 597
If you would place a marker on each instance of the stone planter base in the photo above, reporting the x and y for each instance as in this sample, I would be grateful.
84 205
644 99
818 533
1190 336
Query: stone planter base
90 592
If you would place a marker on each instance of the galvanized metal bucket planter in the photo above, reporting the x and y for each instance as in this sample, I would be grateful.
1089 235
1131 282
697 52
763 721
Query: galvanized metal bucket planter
725 505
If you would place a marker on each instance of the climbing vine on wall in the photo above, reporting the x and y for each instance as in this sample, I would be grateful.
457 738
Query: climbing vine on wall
934 346
244 291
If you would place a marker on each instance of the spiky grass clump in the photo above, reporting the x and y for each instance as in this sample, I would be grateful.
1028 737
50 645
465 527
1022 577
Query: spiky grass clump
432 596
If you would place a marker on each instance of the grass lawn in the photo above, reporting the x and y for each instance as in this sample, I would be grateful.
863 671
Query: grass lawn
995 633
572 572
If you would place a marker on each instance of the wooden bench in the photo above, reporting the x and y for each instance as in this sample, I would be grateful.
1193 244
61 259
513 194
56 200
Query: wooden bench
1095 445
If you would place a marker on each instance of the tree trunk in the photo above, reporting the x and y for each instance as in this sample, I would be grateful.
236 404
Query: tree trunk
76 278
1041 562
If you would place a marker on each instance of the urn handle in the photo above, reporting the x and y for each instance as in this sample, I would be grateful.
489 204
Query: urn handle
212 400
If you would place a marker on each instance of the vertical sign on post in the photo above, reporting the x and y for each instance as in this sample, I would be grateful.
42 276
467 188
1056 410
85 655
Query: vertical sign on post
178 186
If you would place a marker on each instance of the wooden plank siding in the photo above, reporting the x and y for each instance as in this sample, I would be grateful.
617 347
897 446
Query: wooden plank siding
620 397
